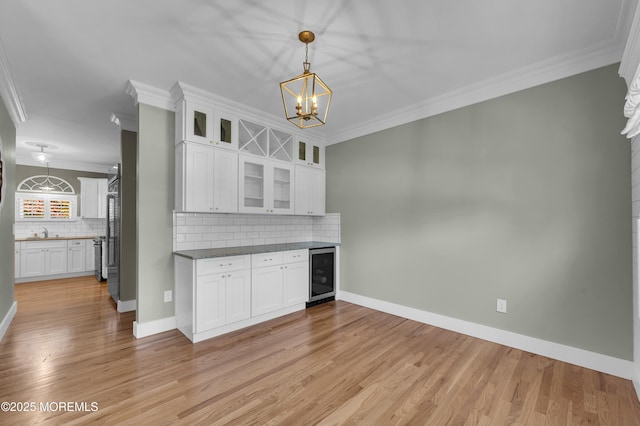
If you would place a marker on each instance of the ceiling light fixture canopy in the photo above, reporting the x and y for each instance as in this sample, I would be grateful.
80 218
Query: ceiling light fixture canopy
41 156
306 98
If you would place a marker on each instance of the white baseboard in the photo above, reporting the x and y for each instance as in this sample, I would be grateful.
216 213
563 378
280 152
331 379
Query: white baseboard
636 379
218 331
53 277
6 321
126 305
144 329
583 358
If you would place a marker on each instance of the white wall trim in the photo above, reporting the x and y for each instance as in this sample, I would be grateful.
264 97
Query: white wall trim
149 328
23 280
636 380
126 305
631 55
592 360
8 91
6 321
513 81
146 94
181 90
125 122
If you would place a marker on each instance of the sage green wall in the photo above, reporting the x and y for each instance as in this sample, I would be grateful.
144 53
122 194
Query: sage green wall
71 176
128 167
7 249
525 197
155 202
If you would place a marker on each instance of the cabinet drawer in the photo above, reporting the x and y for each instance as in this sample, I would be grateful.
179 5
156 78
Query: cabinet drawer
296 256
266 259
75 243
44 244
223 264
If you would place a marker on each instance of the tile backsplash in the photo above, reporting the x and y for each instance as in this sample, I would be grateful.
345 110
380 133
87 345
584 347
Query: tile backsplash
212 230
77 228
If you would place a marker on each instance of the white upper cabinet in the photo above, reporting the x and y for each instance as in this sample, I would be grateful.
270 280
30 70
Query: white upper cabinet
196 123
251 169
309 191
225 181
265 186
310 154
225 131
281 145
253 138
206 179
93 197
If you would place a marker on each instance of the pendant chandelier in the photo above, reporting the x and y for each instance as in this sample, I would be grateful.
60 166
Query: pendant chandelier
306 98
46 185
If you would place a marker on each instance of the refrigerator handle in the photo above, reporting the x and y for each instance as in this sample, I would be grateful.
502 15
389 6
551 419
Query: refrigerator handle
110 199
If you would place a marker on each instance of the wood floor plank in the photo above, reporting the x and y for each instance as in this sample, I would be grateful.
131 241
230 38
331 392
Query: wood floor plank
334 364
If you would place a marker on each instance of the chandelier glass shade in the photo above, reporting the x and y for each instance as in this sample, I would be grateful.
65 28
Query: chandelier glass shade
306 98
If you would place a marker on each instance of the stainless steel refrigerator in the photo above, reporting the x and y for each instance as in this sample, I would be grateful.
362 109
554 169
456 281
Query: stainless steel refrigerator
113 234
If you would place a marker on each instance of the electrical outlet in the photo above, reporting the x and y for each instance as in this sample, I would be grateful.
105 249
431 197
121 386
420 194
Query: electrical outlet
168 296
501 306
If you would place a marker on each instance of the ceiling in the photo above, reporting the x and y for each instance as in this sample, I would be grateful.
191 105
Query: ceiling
387 62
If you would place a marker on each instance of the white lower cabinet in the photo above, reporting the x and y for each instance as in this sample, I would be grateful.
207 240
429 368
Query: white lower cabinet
76 257
266 289
17 260
296 277
43 258
279 280
222 299
89 256
39 259
218 295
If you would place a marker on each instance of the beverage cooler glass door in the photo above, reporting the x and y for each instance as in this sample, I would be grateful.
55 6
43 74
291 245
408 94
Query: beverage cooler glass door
322 271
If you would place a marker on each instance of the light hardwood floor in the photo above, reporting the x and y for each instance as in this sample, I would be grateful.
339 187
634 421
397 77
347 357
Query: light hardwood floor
335 363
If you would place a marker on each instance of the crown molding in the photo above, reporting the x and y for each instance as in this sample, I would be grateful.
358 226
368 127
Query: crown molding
125 122
25 160
183 91
631 56
513 81
150 95
8 91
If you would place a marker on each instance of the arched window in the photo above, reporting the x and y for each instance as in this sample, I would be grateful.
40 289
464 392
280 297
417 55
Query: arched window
45 198
47 184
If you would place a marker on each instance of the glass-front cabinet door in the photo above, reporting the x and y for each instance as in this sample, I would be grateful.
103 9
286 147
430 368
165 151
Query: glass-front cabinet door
282 184
310 154
265 186
225 131
253 185
198 123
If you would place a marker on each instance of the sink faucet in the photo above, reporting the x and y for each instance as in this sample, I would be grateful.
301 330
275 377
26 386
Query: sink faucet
45 231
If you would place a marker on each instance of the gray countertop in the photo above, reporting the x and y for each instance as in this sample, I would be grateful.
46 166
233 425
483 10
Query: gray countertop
239 251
